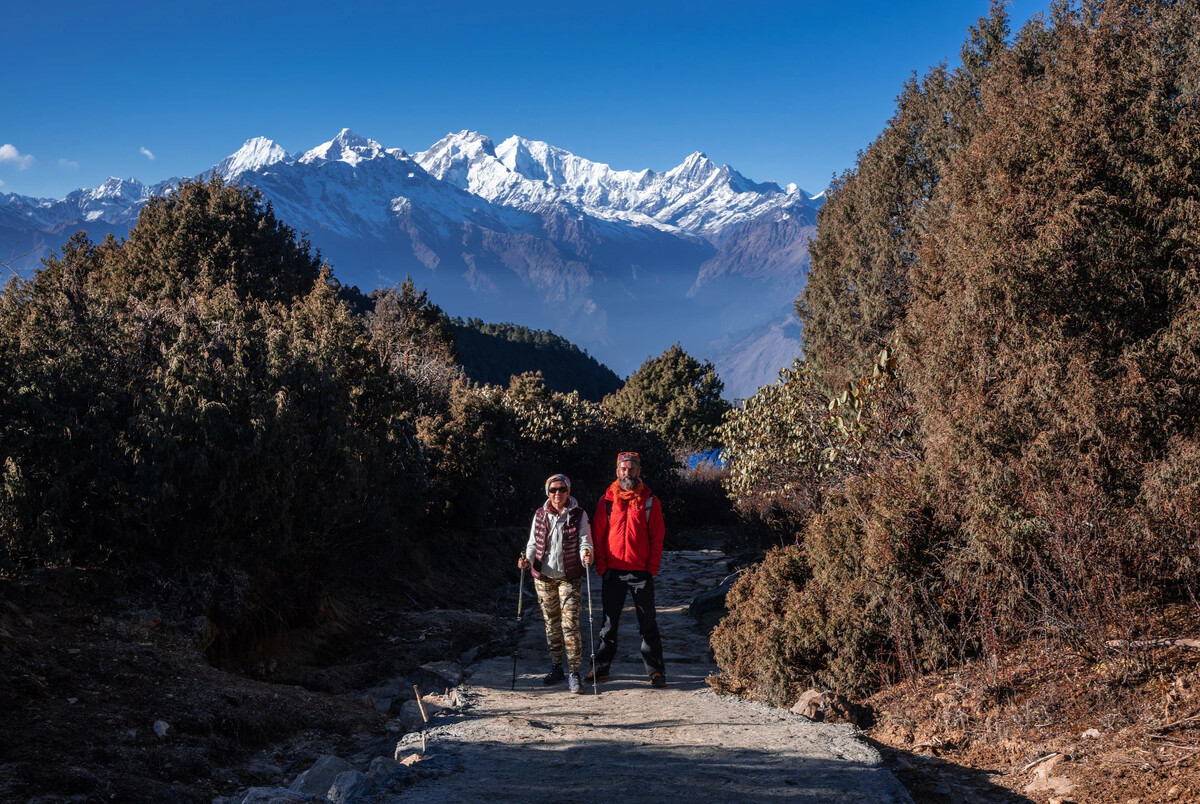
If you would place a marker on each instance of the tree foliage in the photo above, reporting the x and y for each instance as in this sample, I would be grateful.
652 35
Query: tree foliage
676 395
204 236
199 399
205 402
1025 233
1054 339
414 341
203 424
790 441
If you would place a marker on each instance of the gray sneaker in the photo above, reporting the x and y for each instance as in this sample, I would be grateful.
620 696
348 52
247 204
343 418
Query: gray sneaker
573 683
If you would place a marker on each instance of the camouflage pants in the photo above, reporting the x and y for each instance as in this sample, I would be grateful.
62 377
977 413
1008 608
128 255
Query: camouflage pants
559 599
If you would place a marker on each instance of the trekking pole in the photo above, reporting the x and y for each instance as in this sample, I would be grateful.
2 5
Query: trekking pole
587 572
517 644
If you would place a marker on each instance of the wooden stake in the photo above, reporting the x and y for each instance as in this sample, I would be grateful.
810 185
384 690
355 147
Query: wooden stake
1038 761
420 703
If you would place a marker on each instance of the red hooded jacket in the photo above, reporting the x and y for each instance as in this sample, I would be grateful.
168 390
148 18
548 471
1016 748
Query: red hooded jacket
629 539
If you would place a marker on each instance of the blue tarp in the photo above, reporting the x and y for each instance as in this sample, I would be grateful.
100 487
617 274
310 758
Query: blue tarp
712 457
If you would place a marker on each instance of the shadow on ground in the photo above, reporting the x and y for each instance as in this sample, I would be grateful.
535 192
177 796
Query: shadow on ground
587 770
931 780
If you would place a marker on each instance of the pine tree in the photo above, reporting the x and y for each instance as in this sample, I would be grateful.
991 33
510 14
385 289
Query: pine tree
677 396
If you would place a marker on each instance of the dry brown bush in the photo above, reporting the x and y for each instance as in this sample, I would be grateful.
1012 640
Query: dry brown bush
857 602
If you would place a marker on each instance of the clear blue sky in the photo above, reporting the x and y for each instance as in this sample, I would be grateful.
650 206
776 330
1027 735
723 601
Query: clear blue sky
785 91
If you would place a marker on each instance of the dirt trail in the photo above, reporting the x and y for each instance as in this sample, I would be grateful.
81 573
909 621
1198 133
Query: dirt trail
632 741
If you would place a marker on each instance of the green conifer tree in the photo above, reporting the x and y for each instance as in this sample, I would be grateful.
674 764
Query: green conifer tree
678 396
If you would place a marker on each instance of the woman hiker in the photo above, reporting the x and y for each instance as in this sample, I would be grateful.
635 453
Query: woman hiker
559 551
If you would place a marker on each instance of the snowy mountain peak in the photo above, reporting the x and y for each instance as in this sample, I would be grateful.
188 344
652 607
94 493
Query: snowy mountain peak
697 196
466 140
114 188
466 160
695 171
255 154
455 156
536 161
345 147
348 139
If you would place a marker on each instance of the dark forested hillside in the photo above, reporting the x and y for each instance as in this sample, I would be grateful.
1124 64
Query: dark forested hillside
493 353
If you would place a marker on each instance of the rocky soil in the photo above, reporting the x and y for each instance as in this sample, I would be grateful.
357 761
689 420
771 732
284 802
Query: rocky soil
1050 726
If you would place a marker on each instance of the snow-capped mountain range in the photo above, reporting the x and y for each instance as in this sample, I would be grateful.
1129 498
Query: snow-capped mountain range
624 263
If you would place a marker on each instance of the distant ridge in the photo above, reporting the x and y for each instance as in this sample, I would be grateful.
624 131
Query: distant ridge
493 353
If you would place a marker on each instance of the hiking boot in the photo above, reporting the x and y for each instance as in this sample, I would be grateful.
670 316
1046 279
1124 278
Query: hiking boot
555 675
573 683
600 675
658 680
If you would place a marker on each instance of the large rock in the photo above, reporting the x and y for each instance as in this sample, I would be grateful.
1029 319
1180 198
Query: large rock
410 713
713 599
397 688
387 772
829 707
317 780
438 676
349 787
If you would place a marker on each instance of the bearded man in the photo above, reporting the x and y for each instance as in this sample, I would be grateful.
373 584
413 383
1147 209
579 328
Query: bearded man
628 532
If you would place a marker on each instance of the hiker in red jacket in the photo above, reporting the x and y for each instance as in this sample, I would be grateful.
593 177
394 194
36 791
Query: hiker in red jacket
628 532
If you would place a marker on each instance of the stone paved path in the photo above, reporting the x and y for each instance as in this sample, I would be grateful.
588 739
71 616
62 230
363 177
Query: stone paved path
632 742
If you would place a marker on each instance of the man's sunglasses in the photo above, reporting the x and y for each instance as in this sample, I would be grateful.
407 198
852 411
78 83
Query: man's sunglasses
558 489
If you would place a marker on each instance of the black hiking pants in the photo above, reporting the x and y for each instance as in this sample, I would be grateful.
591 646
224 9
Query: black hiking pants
641 586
